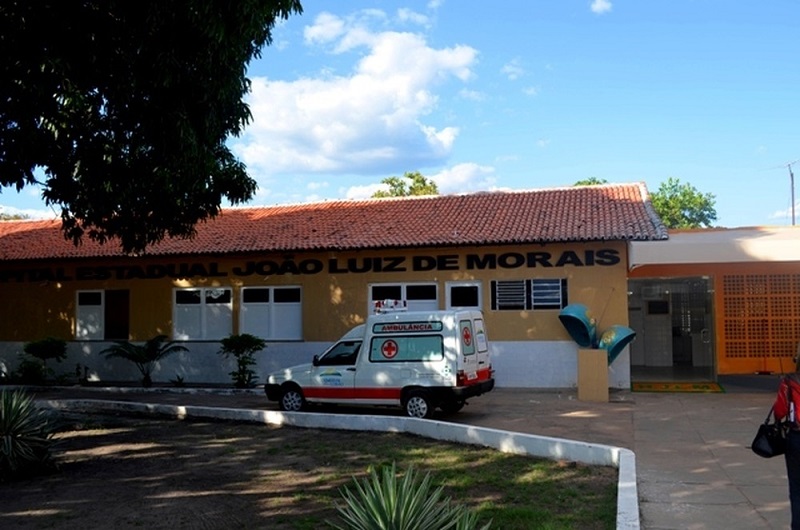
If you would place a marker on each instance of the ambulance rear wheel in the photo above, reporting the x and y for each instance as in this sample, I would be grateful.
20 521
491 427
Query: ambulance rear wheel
292 399
419 404
452 406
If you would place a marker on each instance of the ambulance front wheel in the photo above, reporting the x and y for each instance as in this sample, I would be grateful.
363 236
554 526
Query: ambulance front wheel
292 399
419 404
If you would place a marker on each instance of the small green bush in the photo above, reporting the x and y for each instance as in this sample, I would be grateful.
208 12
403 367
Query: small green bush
33 369
381 501
45 349
243 348
25 436
30 371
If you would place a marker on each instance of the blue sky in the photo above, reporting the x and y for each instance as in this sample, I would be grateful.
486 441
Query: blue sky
526 94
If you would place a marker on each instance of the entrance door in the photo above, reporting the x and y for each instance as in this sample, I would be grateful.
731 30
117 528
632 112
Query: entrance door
673 320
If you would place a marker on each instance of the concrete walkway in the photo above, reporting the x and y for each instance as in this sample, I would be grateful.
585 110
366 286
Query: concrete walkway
694 466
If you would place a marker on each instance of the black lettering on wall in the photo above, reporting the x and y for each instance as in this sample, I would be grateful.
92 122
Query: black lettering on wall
487 261
355 265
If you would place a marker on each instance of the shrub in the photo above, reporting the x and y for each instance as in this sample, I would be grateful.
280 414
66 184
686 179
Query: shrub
49 348
144 356
382 501
34 371
25 436
30 371
243 348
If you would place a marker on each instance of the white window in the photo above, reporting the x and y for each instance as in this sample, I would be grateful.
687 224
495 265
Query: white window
274 313
203 313
102 315
529 294
464 295
89 315
417 296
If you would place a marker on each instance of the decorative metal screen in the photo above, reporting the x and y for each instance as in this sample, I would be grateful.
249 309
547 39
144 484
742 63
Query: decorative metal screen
761 316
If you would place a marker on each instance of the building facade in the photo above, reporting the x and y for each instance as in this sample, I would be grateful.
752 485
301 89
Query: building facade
715 302
300 276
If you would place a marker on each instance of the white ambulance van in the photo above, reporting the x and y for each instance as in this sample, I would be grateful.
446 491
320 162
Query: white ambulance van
417 360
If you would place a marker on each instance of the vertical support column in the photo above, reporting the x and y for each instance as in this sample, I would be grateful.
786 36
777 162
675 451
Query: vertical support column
592 374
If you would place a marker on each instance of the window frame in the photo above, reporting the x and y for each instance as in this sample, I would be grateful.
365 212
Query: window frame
529 301
274 314
206 310
403 286
102 314
449 285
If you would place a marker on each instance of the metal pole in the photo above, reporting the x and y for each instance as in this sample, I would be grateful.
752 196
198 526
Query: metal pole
791 178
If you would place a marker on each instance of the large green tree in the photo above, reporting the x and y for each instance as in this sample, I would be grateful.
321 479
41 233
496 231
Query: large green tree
681 205
127 106
411 183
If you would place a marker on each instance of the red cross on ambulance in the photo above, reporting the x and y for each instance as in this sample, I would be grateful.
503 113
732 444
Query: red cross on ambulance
466 336
389 349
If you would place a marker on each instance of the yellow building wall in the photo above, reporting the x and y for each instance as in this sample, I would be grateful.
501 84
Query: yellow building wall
39 298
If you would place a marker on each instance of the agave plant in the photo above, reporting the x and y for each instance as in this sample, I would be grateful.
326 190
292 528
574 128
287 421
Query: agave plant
144 356
381 501
25 435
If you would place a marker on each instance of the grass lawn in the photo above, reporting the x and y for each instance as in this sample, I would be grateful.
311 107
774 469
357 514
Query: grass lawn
121 473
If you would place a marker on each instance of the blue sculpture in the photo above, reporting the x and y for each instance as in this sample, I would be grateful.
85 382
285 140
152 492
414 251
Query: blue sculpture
582 328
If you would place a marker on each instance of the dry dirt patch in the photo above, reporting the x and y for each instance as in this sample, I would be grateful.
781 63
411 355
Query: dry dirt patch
143 473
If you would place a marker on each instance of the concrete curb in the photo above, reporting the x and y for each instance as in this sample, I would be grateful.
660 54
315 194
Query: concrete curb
509 442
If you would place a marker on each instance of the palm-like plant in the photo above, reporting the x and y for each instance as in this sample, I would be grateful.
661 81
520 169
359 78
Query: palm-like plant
382 501
25 435
144 356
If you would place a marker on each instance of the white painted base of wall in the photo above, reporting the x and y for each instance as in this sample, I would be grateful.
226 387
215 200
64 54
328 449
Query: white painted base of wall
542 364
523 364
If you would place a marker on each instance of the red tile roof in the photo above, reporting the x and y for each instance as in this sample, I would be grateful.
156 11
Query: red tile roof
590 213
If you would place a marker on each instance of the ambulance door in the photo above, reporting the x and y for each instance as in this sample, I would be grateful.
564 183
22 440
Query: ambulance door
468 360
482 349
333 374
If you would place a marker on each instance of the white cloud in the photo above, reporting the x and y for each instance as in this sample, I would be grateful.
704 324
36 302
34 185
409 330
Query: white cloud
326 28
407 15
787 213
32 213
370 120
313 186
531 91
465 178
601 6
471 95
513 69
364 192
461 178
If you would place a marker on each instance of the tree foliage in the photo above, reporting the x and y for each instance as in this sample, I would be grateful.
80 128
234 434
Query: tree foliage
683 206
126 107
591 181
411 183
679 205
13 216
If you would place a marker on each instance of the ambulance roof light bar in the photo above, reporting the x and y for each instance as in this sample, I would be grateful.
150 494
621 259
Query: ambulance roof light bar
390 306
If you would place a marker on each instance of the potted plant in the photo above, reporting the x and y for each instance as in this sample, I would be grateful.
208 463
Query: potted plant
144 356
243 348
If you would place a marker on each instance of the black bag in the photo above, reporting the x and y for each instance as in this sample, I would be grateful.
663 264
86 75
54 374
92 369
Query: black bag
770 439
